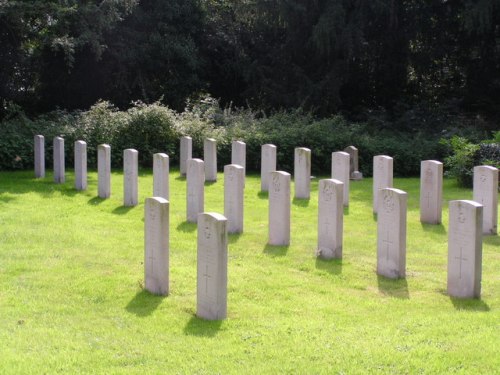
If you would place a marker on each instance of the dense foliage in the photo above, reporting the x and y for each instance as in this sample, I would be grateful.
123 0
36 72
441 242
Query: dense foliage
323 56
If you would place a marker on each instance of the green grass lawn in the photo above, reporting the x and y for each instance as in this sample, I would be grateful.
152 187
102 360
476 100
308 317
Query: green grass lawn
71 297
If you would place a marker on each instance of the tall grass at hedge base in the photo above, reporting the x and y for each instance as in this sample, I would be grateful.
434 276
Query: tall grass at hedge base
152 128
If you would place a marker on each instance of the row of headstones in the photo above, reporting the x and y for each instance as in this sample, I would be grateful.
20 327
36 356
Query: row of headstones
392 246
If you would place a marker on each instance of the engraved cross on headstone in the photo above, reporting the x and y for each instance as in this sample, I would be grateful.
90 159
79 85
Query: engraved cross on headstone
460 259
428 197
389 243
207 276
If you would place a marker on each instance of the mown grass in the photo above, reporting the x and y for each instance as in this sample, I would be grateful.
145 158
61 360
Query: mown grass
71 297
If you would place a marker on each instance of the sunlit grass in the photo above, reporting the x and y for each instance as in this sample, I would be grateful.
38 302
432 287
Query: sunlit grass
71 298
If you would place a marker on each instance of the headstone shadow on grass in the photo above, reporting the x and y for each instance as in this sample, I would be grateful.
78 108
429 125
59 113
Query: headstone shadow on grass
469 304
122 210
263 194
95 201
434 228
300 202
234 237
144 303
275 250
186 227
200 327
333 266
397 288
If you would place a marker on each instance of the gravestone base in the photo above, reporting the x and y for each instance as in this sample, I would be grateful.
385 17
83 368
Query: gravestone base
356 176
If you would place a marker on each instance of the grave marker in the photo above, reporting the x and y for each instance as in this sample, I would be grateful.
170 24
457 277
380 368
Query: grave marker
130 176
302 173
238 153
465 249
161 170
195 189
186 153
485 191
211 288
279 208
156 245
354 172
391 233
59 171
104 171
340 171
80 165
382 176
234 185
39 156
210 159
268 164
330 219
431 191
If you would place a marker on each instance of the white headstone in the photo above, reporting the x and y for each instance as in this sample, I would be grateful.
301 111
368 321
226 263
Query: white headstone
382 176
354 172
279 208
130 176
195 189
431 191
59 168
391 233
210 156
80 165
161 170
465 248
239 153
486 192
268 164
302 173
104 171
39 156
186 153
234 185
156 245
211 287
330 218
340 171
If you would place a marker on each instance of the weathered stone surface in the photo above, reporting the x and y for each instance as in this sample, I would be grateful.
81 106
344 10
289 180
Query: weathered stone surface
39 156
391 233
210 156
161 171
104 171
382 176
59 166
431 191
211 288
267 165
156 245
330 219
302 173
130 177
239 153
465 248
186 153
195 189
80 165
234 186
340 171
486 192
279 208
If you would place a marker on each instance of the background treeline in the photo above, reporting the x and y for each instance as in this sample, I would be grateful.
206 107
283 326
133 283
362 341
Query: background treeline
415 79
325 56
